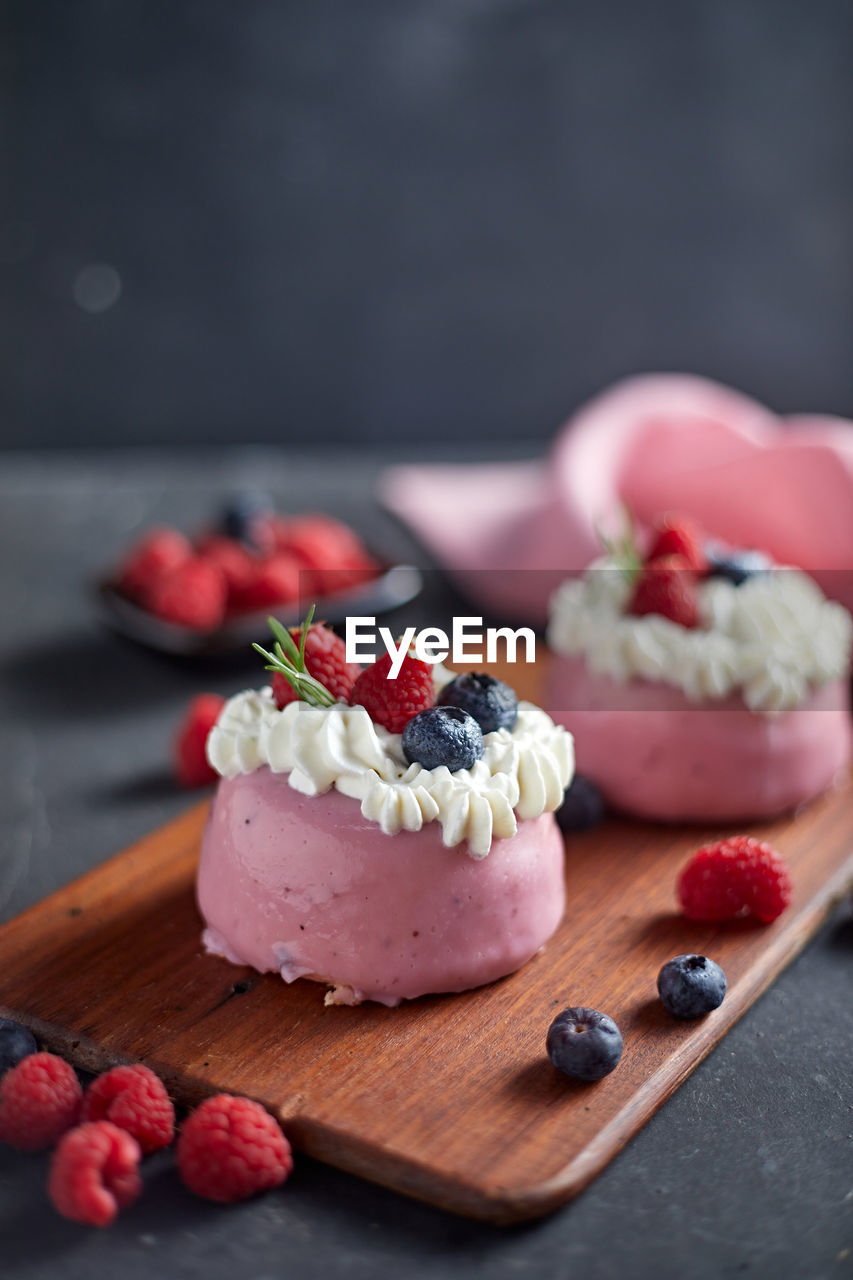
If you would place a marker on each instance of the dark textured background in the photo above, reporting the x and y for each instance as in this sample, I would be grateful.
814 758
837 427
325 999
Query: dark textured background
406 218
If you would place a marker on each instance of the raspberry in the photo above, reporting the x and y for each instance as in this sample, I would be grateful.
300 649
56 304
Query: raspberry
230 1148
94 1172
39 1100
677 535
392 703
156 553
326 661
192 594
330 553
135 1099
735 877
236 563
667 587
273 581
190 758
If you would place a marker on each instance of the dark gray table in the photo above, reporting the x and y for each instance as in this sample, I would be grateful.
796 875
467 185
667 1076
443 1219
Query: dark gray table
748 1170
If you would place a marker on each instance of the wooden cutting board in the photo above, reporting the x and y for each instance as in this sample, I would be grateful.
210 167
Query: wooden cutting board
449 1098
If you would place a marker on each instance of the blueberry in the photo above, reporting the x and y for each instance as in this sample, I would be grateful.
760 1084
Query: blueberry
16 1042
492 703
582 807
443 735
238 518
691 986
584 1043
734 564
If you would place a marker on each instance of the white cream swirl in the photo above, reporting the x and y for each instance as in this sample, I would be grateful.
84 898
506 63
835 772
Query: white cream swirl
522 773
773 638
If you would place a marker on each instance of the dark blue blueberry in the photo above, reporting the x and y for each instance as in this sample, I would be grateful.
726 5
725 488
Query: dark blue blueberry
443 735
583 805
584 1043
691 986
734 564
16 1042
238 518
491 702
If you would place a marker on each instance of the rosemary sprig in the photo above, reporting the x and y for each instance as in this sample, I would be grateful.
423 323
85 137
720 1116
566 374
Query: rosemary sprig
623 551
289 661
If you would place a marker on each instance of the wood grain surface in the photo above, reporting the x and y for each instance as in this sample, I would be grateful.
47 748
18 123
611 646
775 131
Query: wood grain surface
448 1098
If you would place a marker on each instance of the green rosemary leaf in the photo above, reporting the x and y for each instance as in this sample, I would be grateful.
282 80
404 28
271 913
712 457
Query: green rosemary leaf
288 660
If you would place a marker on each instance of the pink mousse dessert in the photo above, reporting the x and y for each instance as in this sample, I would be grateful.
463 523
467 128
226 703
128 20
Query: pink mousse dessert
329 855
741 714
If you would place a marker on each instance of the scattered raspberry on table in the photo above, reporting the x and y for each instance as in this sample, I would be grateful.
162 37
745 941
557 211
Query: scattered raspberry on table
231 1148
94 1172
190 758
134 1099
39 1100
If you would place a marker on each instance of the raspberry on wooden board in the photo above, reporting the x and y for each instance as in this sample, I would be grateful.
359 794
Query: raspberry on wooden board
734 877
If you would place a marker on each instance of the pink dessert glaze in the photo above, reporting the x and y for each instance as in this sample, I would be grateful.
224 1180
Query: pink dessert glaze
656 754
307 886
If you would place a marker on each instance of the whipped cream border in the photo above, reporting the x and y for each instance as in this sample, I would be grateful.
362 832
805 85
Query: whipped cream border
522 773
773 638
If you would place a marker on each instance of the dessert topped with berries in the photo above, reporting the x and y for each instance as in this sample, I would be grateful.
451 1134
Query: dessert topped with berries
694 626
389 836
704 618
424 747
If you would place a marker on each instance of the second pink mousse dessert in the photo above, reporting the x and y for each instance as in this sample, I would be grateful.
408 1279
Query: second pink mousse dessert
341 851
721 696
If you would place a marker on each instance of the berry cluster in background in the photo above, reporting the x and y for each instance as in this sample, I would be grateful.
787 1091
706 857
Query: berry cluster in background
252 559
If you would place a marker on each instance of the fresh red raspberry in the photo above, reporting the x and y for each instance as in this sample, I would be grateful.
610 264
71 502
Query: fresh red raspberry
274 581
677 535
135 1099
39 1099
236 562
230 1148
735 877
190 758
392 703
192 594
331 555
94 1172
326 660
667 587
160 550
